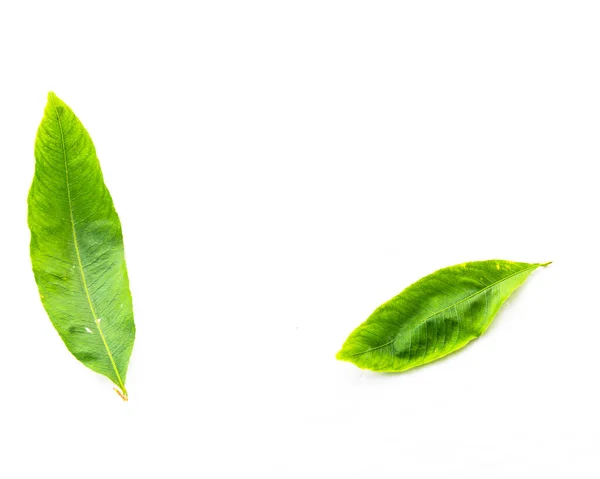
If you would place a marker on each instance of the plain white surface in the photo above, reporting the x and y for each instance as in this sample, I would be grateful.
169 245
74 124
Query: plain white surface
281 169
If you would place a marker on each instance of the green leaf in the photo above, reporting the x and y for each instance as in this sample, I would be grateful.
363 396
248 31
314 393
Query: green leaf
77 247
435 316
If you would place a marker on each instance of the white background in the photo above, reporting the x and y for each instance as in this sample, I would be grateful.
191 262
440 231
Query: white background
281 169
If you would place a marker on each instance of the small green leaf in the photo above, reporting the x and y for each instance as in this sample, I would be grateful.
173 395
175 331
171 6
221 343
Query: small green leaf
435 316
77 247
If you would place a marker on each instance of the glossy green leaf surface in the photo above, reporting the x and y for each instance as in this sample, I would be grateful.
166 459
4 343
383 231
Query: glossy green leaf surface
77 247
435 316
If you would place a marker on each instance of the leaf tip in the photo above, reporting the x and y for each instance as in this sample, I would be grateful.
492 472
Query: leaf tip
546 264
53 99
343 355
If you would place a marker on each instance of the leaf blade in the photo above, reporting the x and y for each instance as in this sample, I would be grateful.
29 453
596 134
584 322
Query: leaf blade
77 248
457 304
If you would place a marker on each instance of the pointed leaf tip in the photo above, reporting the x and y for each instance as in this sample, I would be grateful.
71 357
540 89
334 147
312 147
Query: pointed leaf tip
55 99
344 355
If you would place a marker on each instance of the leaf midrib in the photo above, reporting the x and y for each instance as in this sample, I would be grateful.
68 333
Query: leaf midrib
78 254
489 286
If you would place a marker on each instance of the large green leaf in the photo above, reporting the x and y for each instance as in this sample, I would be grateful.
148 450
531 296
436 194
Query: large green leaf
77 247
435 316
